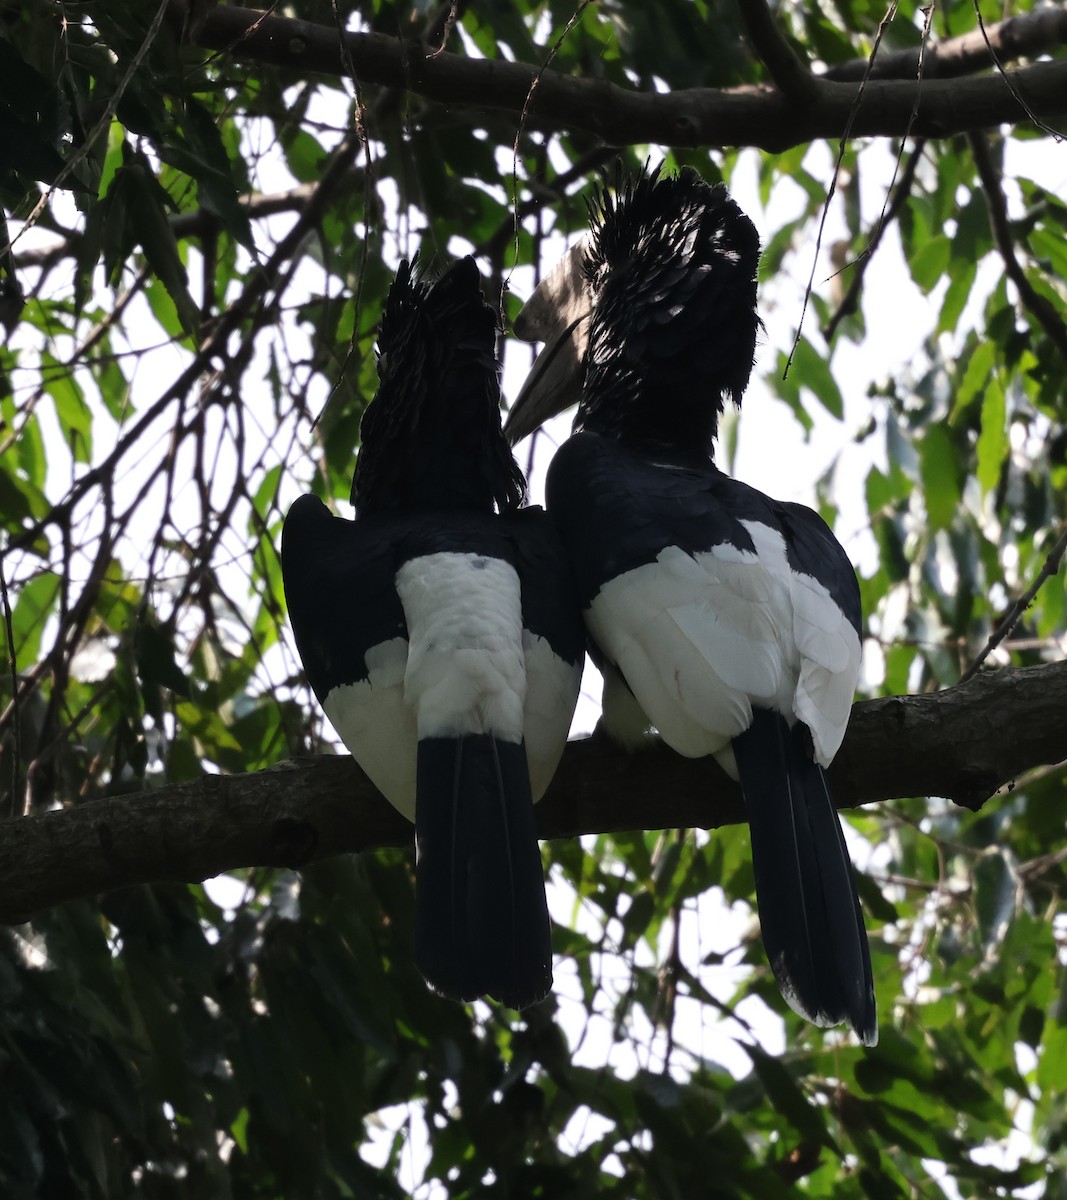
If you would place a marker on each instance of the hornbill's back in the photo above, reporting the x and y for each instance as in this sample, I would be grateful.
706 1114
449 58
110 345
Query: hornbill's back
724 619
439 632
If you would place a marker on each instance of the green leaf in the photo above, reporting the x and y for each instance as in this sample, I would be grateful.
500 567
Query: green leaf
157 666
146 204
210 166
75 416
995 896
939 470
784 1093
979 372
930 261
36 601
22 149
812 371
993 442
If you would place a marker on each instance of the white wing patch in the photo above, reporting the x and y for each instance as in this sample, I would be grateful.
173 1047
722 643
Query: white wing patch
470 668
551 694
377 725
830 653
701 638
465 670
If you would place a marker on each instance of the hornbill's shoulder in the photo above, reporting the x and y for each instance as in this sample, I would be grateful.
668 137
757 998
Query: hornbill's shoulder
814 551
340 590
617 509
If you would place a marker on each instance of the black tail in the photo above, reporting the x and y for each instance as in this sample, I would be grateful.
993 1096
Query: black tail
481 920
809 912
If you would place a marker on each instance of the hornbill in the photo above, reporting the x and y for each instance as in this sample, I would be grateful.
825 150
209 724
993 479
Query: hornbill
440 633
725 620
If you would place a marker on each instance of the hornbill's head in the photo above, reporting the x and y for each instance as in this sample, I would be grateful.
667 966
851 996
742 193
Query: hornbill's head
651 319
431 437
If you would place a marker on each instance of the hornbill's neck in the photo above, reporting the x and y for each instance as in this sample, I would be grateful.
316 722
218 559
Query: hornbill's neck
671 269
431 437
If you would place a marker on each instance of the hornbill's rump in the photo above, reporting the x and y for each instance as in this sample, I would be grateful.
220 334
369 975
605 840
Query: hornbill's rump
440 633
725 620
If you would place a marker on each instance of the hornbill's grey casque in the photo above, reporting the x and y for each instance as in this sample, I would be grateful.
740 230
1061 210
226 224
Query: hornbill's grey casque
723 619
440 633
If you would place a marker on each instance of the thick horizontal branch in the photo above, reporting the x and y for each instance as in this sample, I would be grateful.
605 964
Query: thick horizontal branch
743 116
963 743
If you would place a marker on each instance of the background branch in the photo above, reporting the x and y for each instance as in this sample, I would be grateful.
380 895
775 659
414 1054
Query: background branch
1038 306
858 267
963 743
777 55
199 223
1024 36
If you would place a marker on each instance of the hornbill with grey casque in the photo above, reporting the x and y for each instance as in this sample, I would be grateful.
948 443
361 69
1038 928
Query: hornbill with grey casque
725 620
440 633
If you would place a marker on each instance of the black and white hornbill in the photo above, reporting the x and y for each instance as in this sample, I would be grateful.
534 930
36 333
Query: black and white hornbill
440 633
723 619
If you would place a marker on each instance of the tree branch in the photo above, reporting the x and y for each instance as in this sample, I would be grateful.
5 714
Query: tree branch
785 68
1024 36
201 222
962 743
1049 568
744 116
1038 306
851 299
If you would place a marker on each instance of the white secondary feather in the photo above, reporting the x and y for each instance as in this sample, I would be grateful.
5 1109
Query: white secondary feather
466 669
830 653
377 724
701 638
551 694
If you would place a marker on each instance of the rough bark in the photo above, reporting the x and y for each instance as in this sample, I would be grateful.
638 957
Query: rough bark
963 743
754 115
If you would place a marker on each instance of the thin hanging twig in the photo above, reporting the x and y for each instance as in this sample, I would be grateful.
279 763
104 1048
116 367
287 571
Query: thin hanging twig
1049 568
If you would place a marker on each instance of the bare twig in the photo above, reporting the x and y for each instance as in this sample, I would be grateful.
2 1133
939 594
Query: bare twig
841 147
1040 307
215 344
1012 85
557 45
199 223
889 213
12 662
545 194
1049 568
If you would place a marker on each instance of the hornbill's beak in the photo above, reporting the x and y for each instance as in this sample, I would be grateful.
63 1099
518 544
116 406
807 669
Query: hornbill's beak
556 314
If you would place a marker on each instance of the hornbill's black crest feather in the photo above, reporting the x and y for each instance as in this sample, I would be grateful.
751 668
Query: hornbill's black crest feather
671 267
431 436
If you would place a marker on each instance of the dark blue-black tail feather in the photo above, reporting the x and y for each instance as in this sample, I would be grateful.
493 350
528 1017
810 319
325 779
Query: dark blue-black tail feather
809 911
481 919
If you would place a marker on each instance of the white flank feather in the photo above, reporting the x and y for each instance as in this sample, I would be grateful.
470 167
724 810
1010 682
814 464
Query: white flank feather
377 725
830 652
551 694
